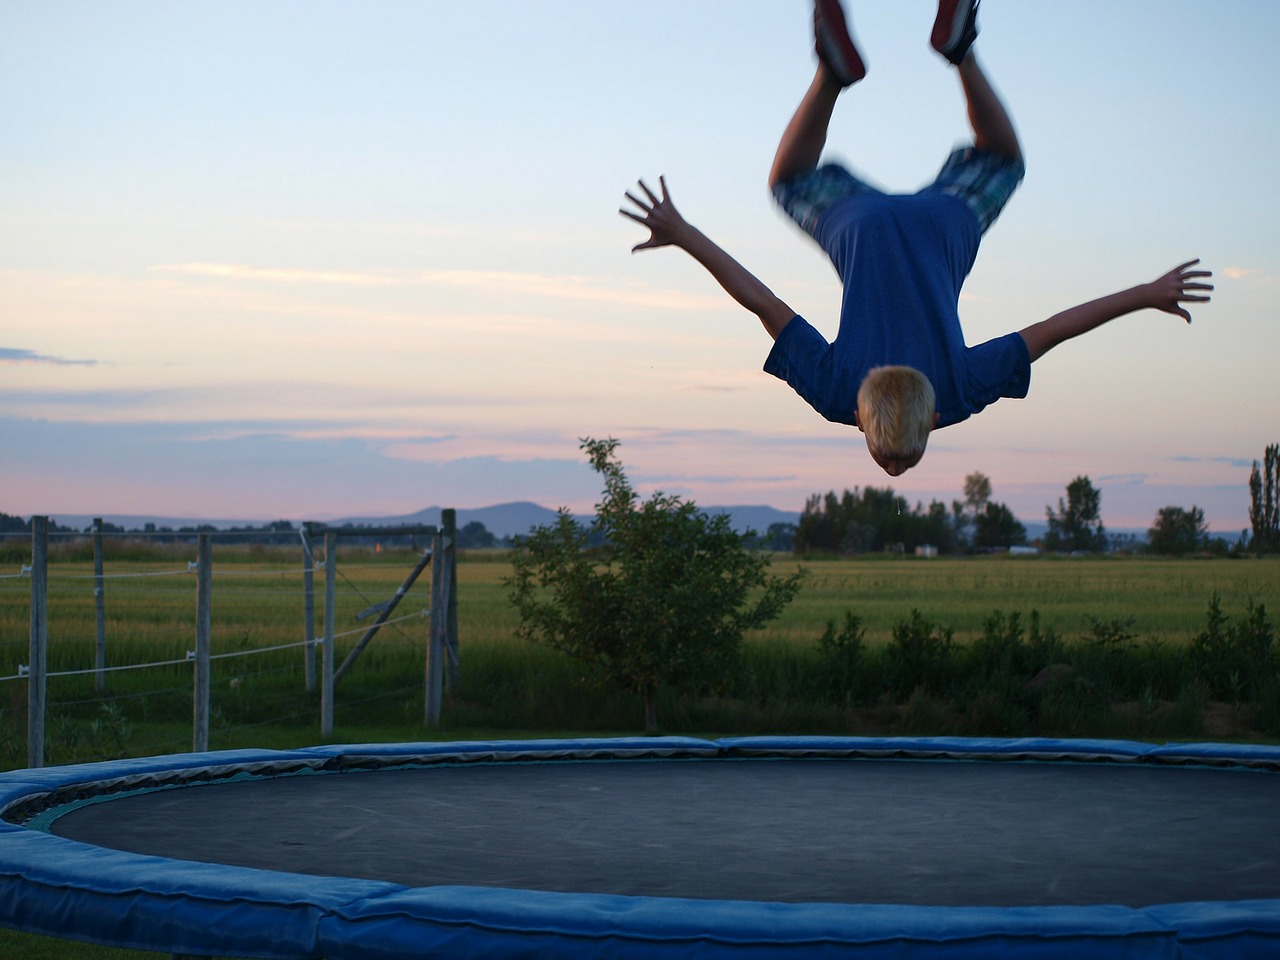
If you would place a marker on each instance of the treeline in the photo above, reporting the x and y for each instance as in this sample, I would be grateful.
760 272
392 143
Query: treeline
877 520
279 533
872 520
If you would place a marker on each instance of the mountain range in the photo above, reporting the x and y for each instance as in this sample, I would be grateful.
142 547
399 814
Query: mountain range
510 519
502 520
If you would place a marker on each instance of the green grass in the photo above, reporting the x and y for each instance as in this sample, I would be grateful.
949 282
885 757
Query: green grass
1165 598
31 947
260 700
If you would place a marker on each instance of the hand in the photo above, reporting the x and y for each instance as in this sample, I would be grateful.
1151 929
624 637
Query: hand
1170 292
659 214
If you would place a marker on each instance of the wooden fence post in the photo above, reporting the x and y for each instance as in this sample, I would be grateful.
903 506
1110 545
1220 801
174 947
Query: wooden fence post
204 626
449 520
308 610
437 626
39 640
330 612
100 610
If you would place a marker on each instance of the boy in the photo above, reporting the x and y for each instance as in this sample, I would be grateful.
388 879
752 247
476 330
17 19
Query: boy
899 366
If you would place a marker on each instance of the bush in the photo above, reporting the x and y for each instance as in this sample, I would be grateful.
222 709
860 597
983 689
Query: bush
919 657
664 604
1235 661
843 660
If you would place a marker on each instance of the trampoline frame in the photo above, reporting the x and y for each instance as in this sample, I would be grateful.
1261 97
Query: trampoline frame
58 887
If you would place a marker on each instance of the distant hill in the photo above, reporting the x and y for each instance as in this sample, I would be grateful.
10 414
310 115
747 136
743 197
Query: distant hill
83 521
513 519
502 520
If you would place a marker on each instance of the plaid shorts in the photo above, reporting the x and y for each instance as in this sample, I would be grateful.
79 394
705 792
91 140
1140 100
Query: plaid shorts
983 181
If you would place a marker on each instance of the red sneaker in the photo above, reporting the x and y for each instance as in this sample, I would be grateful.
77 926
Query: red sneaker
834 43
955 29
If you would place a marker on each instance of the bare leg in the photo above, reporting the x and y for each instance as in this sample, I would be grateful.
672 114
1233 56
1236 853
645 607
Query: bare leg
806 133
993 130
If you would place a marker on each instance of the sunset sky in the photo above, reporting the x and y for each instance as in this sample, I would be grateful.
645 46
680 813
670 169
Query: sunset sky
307 259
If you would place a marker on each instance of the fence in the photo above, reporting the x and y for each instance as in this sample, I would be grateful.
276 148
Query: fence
440 670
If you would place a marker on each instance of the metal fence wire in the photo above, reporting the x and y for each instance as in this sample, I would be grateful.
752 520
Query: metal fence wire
167 636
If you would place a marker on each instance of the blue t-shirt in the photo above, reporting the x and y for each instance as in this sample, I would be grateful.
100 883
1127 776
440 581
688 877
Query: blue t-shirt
902 259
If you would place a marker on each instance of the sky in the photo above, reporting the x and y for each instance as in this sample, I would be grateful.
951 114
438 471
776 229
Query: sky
306 259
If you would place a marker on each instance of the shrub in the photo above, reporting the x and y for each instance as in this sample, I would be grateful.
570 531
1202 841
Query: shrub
664 605
843 659
919 656
1235 661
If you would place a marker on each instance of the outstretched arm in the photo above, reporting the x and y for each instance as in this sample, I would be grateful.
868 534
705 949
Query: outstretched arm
1167 293
667 228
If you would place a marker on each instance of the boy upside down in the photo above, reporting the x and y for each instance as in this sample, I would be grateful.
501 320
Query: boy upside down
899 366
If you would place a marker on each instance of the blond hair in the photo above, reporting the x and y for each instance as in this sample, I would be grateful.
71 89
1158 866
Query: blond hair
896 407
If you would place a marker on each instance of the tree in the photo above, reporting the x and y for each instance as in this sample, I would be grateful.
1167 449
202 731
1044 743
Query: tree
780 537
965 513
475 536
869 520
1077 524
977 491
1178 531
1264 506
664 603
934 526
996 526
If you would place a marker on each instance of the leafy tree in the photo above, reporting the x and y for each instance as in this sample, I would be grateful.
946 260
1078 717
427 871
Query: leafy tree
10 524
474 535
869 520
780 537
934 526
1264 506
1178 531
1125 543
664 603
964 513
1077 524
977 491
996 526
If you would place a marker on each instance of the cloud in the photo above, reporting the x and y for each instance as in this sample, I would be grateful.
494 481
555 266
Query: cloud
711 479
238 271
1244 273
385 410
13 355
1122 479
555 286
1240 463
173 470
693 438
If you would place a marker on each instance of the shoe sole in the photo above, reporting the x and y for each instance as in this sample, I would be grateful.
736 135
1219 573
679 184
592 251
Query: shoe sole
952 24
835 45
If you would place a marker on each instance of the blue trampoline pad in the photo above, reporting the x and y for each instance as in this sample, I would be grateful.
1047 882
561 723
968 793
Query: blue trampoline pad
657 847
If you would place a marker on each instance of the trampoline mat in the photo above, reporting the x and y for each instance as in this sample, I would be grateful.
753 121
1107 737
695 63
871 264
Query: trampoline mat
795 830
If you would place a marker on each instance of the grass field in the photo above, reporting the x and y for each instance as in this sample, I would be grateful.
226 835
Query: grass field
1155 606
1165 598
257 602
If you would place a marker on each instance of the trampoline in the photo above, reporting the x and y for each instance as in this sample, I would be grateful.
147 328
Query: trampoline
673 847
